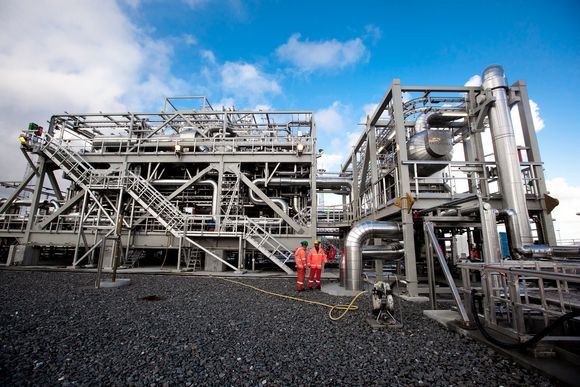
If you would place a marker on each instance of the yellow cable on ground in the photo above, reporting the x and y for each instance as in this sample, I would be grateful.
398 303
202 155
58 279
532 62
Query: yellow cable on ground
345 308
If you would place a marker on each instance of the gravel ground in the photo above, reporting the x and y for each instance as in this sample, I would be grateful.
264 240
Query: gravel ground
57 329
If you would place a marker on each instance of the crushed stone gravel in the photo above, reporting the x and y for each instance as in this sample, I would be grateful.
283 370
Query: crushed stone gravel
57 329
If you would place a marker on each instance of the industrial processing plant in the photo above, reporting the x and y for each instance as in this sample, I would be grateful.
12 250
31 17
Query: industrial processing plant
439 205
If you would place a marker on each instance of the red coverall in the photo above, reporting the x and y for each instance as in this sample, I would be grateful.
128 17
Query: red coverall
300 259
316 257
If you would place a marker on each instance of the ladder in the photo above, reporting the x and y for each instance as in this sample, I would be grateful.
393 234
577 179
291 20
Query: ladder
133 258
192 259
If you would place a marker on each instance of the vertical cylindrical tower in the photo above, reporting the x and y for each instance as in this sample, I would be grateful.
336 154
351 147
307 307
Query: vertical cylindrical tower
504 145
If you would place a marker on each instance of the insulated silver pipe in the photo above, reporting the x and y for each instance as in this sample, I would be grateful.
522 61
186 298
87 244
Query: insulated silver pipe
214 196
356 237
422 121
382 252
535 251
55 204
338 183
256 200
214 203
505 151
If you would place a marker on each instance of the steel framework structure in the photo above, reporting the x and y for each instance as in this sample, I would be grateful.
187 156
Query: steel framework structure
192 179
402 168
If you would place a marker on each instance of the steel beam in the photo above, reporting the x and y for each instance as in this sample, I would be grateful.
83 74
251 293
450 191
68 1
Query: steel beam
267 200
15 194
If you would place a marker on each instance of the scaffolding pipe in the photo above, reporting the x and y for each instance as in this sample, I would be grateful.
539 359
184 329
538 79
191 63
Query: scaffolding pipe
354 241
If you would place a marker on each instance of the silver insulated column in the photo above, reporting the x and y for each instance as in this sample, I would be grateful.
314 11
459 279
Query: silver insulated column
504 145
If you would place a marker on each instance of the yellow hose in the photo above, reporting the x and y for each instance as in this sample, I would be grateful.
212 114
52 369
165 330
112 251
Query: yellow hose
345 308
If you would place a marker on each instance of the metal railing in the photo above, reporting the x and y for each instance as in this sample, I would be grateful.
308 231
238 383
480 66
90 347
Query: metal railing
515 290
332 215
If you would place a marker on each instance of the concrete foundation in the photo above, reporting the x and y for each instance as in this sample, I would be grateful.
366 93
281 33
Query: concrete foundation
119 283
23 255
334 289
213 265
414 299
447 318
107 256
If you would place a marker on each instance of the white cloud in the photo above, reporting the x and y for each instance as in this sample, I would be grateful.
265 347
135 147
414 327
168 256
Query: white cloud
373 33
475 80
247 81
190 40
263 107
52 61
331 119
538 120
225 103
208 55
334 124
330 162
370 108
195 4
134 4
327 54
565 213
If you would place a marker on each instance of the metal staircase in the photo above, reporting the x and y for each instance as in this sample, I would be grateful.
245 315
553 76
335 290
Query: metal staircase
78 169
133 258
268 245
163 210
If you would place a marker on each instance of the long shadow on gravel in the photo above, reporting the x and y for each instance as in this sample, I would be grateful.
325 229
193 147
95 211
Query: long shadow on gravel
56 329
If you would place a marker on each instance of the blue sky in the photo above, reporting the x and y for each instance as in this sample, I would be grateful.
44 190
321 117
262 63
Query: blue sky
333 58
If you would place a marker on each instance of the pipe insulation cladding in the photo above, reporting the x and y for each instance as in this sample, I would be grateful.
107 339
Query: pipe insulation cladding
505 151
352 265
430 145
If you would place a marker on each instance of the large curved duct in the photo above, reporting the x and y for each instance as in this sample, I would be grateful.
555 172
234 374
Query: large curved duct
422 121
427 144
505 151
354 241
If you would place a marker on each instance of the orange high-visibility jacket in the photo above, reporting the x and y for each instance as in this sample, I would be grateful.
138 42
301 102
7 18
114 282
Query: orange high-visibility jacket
300 257
315 258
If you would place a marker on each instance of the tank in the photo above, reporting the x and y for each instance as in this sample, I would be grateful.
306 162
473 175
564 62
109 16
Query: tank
430 145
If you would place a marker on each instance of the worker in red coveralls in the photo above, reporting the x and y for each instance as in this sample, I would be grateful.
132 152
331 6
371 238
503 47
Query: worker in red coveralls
300 259
316 258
